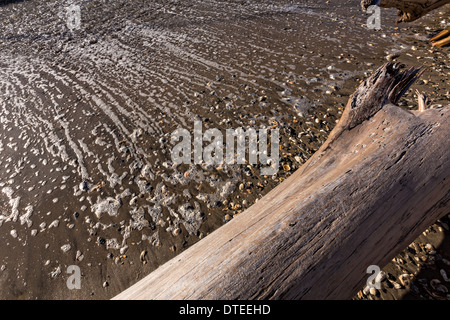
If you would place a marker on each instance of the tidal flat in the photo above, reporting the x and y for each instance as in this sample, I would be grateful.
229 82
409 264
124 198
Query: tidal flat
87 109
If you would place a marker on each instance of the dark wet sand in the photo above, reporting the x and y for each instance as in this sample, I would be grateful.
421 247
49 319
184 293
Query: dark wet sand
86 118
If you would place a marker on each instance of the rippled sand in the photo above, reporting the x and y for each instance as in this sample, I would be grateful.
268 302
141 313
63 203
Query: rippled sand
86 116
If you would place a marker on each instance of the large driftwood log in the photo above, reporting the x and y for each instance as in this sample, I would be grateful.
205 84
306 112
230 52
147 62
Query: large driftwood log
381 178
408 10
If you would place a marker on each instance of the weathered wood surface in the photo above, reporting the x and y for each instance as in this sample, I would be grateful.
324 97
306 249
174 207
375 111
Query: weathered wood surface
381 178
408 10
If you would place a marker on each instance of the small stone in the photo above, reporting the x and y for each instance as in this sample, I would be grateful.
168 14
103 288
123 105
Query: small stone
373 291
444 275
66 247
105 284
79 255
142 257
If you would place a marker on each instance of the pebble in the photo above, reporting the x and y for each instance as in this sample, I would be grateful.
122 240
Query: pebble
444 275
13 233
66 247
79 255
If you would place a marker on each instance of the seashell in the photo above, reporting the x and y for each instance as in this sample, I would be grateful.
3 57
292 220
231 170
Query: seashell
176 232
142 257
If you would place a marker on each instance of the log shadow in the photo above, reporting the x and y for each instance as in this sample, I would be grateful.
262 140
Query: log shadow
429 282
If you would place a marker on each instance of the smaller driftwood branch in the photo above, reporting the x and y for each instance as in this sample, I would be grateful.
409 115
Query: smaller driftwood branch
408 10
441 39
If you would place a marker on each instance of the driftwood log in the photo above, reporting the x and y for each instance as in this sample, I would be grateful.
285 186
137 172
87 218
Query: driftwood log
381 178
408 10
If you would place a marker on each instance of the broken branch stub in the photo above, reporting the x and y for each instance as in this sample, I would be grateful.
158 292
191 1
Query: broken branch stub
408 10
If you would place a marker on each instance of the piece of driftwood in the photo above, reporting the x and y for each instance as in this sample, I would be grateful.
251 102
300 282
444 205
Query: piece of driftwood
408 10
381 179
441 39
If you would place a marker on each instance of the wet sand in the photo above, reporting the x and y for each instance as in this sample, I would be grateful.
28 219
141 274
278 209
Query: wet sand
86 116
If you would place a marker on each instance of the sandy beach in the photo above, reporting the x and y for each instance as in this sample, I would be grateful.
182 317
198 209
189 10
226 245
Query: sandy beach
88 106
